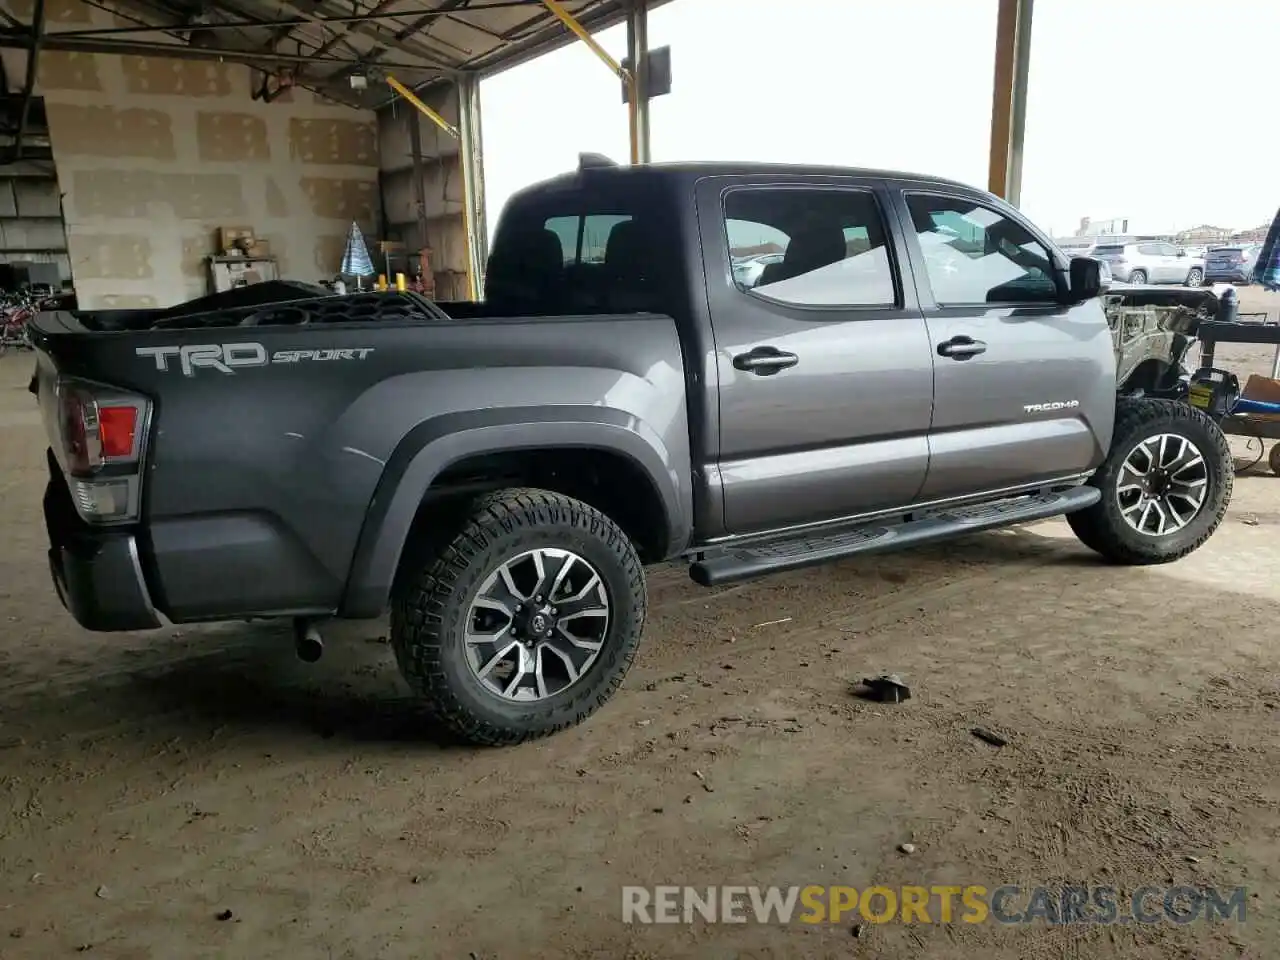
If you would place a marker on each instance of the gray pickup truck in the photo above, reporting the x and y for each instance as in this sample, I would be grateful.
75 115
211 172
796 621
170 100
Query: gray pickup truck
920 362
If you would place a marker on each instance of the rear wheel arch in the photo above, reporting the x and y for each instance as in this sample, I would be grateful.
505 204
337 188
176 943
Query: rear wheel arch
426 486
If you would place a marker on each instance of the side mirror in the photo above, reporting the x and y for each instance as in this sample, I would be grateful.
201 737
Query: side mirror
1087 279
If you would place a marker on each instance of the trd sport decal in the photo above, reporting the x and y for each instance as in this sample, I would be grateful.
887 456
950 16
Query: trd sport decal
229 357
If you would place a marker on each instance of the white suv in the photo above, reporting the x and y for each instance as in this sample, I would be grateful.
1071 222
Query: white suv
1152 261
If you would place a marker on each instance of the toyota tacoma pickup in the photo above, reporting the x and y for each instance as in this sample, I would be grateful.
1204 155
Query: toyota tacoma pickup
920 362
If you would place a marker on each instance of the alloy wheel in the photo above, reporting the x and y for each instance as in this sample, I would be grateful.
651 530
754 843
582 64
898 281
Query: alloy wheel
1162 485
537 624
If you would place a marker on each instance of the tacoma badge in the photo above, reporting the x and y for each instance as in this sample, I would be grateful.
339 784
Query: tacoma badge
1055 405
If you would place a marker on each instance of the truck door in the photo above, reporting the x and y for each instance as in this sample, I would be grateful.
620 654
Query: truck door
1023 383
822 357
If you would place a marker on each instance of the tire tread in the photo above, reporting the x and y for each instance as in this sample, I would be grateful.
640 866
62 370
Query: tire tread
1102 530
419 614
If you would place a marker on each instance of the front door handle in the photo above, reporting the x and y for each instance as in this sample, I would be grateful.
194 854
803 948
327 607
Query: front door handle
961 348
765 361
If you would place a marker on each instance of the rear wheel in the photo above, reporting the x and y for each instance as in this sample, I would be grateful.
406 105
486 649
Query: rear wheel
1165 484
1138 276
525 622
1195 277
1273 461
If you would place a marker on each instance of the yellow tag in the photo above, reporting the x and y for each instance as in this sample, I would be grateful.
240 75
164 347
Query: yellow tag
1200 396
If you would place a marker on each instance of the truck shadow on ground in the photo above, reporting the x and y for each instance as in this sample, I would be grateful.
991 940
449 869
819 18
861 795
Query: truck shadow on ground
353 694
245 677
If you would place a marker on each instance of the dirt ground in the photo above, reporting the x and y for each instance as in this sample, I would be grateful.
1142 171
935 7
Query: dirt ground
150 782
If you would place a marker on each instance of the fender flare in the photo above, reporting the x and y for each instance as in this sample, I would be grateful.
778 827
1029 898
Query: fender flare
432 446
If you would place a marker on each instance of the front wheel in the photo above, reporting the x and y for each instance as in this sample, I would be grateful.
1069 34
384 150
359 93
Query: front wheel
1138 277
525 622
1165 484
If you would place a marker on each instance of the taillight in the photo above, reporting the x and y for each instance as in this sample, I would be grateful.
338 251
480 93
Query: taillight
100 435
117 429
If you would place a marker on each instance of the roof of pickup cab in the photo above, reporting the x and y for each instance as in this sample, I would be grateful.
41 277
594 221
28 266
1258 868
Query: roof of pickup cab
594 166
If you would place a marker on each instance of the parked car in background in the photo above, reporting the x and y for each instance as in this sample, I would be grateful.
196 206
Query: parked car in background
1232 263
748 272
1152 261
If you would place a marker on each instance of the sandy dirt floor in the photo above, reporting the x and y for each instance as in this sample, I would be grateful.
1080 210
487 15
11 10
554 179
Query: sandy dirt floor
150 782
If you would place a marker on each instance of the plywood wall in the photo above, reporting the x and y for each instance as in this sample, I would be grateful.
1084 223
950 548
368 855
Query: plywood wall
154 154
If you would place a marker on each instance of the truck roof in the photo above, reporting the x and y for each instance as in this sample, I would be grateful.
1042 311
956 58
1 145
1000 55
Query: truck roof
596 166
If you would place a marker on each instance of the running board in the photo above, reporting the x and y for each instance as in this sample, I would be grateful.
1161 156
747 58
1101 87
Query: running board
775 556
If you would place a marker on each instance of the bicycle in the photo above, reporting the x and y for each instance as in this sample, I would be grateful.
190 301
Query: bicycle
16 311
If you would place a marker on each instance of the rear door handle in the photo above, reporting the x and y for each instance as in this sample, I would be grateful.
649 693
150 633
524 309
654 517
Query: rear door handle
765 361
961 348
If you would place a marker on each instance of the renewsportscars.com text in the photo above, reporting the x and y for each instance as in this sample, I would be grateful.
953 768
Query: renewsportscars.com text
936 904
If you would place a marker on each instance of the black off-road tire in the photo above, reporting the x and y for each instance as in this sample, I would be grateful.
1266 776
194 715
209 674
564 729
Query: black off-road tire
428 615
1103 529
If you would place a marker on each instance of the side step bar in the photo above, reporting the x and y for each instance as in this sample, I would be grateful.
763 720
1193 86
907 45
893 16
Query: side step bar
775 556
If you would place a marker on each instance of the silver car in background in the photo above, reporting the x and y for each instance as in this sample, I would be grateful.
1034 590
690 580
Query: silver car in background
748 270
1150 261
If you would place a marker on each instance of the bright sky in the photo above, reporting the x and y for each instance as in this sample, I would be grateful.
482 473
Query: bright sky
1136 108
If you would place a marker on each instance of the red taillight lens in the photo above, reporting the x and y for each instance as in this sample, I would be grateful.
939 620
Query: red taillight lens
98 428
116 429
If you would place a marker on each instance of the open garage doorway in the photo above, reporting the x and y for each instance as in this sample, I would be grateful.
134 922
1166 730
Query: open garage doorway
35 270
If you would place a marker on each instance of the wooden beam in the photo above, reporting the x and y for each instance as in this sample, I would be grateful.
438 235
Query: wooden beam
1002 98
1009 98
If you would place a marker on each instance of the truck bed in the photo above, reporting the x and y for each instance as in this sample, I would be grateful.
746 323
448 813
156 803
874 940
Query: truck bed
282 430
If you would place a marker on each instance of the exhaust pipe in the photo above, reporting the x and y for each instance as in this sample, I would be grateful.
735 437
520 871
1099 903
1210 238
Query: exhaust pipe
307 640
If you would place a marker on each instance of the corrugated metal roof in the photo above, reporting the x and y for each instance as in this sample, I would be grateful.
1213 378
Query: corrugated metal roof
321 43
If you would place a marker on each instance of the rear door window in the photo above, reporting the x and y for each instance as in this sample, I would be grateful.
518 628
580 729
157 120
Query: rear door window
810 246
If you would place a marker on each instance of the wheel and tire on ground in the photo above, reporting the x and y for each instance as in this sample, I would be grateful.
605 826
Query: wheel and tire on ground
525 622
1165 484
1138 277
1195 277
1273 460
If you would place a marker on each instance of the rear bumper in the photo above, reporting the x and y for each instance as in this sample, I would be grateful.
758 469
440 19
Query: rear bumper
1219 275
97 573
